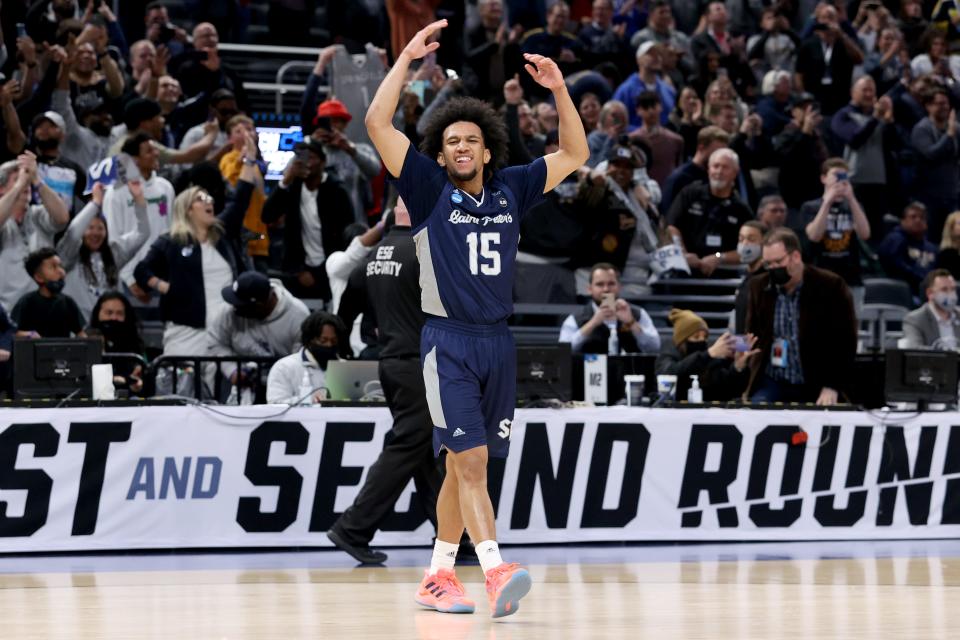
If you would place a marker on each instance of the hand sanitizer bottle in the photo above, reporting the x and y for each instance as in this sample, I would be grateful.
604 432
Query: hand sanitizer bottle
695 393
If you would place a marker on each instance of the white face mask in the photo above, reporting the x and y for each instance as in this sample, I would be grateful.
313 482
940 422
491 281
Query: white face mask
749 252
946 301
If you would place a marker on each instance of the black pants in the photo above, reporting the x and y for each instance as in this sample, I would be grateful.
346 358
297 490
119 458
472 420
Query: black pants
407 453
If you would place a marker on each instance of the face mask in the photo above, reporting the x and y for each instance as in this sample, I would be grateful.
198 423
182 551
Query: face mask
748 252
47 145
695 347
779 276
946 301
323 355
55 286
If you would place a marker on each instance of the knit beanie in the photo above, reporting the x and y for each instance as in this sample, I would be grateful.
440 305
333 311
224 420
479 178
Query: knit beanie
685 324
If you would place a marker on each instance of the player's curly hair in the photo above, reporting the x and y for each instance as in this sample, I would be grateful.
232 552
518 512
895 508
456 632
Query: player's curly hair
491 124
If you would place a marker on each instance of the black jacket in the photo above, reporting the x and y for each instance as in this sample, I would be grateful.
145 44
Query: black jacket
719 379
182 265
336 212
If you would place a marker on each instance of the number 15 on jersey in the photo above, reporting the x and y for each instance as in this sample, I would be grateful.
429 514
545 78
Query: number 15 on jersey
484 253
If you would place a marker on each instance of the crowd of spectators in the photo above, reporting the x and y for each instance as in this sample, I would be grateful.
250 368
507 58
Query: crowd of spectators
131 178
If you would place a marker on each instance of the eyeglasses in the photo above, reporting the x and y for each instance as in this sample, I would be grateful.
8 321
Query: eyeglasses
204 197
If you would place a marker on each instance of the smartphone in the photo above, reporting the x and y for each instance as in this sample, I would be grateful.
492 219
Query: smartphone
842 176
608 300
741 344
167 33
21 30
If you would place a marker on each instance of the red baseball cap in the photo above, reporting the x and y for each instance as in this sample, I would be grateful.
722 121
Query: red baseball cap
333 108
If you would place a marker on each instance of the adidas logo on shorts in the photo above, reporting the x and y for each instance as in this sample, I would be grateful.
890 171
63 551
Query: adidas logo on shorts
458 432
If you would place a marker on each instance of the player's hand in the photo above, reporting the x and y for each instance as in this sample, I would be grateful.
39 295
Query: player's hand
419 46
544 71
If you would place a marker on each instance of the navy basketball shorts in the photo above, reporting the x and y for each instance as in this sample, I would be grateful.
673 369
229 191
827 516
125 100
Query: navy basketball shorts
470 374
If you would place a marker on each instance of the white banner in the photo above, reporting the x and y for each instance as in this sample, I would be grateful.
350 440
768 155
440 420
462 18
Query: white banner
186 477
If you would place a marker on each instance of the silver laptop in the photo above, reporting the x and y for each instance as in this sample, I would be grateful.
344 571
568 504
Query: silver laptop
353 380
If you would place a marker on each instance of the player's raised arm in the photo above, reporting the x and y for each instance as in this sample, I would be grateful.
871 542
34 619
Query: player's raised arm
573 151
390 142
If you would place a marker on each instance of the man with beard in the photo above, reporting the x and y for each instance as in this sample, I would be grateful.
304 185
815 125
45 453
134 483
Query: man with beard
64 176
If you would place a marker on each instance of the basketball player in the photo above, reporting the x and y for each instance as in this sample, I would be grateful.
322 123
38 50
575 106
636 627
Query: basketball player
466 217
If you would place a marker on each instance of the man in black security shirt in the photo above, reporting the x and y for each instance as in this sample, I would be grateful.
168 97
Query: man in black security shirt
392 285
707 216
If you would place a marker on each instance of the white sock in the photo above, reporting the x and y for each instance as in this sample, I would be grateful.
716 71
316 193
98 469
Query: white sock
444 556
488 552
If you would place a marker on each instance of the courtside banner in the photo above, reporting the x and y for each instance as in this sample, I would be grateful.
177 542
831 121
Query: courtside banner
186 477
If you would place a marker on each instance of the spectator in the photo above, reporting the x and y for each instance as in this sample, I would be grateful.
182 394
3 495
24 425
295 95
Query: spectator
145 116
24 227
826 60
47 312
912 25
888 63
949 256
775 47
708 140
316 210
146 69
113 317
160 31
806 355
723 372
687 120
119 208
609 324
865 127
613 124
600 40
240 129
354 164
801 152
554 42
625 222
772 212
589 109
716 39
204 72
547 118
665 145
707 216
91 259
62 175
935 324
223 107
906 253
750 250
836 226
491 48
662 30
647 77
190 265
774 105
323 337
340 264
936 142
85 78
261 319
406 18
88 122
937 61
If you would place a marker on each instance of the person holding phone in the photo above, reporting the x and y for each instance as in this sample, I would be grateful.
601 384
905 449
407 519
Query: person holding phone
608 323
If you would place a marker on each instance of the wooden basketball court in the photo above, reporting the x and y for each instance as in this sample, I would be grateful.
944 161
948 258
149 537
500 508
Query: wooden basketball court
895 591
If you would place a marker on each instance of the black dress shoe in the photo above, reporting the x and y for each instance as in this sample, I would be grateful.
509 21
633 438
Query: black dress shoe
363 555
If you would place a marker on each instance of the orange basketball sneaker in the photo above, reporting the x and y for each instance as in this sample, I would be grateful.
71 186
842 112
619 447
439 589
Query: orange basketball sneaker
444 593
506 584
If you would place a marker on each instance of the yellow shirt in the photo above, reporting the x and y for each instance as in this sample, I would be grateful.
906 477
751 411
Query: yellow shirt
230 166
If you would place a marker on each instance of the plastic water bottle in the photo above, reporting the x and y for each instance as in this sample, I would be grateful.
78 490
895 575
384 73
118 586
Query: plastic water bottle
305 394
695 393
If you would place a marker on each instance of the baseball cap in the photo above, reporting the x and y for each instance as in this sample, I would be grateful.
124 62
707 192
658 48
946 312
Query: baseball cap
250 287
333 108
802 98
623 153
644 48
51 116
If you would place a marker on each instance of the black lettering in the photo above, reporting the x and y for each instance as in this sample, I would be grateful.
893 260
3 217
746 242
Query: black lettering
762 514
332 474
715 483
637 438
288 480
536 462
97 436
951 498
35 482
895 465
823 511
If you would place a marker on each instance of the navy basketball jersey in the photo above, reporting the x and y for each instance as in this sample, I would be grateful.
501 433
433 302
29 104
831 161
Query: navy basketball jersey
467 244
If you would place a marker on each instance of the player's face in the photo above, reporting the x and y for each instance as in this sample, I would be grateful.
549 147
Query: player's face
463 153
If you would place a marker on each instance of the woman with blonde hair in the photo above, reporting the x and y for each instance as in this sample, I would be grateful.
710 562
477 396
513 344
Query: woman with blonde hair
196 259
949 256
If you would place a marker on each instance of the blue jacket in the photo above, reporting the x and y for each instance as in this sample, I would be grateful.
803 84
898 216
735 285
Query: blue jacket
631 88
907 258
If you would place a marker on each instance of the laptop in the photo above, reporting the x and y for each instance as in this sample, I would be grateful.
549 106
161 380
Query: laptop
351 380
